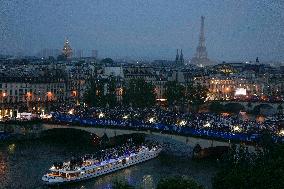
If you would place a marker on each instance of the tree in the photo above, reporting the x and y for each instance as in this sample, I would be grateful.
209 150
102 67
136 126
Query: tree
178 183
266 142
61 57
110 97
234 107
280 109
216 107
101 93
51 58
197 148
139 93
257 170
92 96
249 105
262 109
196 95
264 173
174 92
107 61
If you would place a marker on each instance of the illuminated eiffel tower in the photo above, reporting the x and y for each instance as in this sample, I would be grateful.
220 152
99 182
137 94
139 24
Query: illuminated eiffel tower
200 57
67 50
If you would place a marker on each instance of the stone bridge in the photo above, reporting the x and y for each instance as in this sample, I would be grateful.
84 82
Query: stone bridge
190 141
254 104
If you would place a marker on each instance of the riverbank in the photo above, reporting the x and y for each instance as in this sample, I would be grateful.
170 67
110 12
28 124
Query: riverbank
20 132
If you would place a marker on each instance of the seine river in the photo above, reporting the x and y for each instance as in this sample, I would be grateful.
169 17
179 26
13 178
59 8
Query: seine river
22 165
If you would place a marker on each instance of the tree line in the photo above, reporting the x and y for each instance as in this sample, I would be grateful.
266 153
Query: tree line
259 169
139 93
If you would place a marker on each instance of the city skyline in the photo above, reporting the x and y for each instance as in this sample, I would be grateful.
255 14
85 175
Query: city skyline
93 87
236 30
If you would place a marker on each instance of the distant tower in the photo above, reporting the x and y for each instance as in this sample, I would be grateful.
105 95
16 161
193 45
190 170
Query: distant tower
67 50
201 53
201 49
177 56
181 57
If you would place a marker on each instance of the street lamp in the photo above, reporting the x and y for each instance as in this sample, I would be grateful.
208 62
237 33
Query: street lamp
71 112
74 94
125 117
49 95
49 98
3 107
28 98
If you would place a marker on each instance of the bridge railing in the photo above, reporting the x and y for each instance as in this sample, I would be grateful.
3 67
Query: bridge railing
64 118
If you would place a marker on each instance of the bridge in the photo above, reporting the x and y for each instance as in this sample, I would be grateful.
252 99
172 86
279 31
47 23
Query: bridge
111 132
272 105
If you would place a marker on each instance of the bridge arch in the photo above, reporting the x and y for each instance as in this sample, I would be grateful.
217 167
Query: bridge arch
190 141
264 109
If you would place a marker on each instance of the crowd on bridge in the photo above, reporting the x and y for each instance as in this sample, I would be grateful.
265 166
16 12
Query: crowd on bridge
166 120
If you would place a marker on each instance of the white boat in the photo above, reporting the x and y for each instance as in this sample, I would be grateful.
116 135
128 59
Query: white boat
91 167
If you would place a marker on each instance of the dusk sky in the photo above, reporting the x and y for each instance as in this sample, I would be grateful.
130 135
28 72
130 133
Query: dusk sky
234 30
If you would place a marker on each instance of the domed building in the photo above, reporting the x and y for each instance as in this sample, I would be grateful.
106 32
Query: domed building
67 50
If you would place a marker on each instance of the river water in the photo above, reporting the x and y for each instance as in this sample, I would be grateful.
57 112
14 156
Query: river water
22 165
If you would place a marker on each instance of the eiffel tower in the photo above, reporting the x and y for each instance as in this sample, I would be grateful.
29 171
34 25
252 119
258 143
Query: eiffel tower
200 57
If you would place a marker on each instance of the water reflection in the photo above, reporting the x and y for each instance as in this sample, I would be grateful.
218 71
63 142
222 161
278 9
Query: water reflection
3 165
3 169
148 182
18 159
11 148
